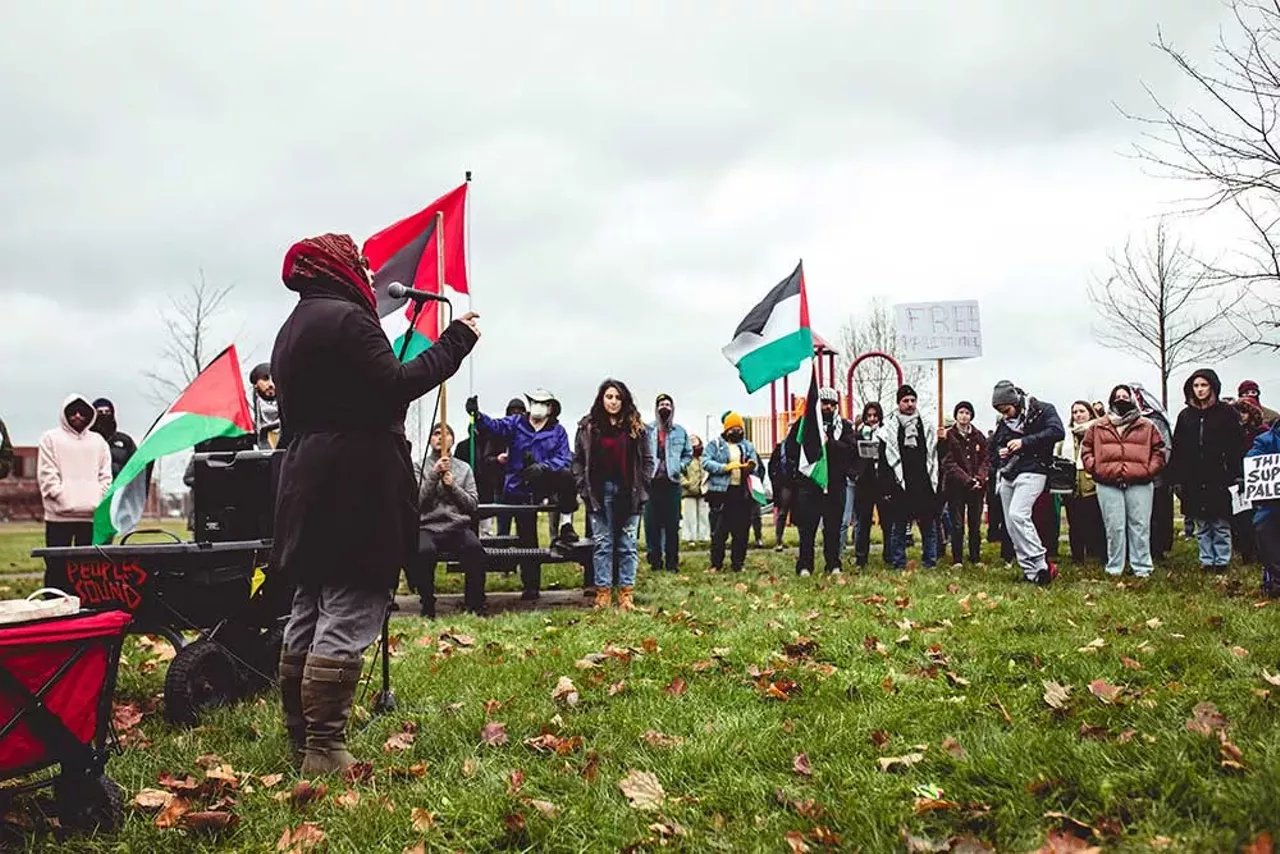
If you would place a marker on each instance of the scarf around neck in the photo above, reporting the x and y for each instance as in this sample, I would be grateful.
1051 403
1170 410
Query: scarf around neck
911 430
1124 420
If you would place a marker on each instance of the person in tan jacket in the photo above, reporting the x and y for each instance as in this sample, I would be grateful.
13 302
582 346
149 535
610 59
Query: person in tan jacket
1084 519
1124 452
73 468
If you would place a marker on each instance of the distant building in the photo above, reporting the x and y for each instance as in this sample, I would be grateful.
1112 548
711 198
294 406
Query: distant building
19 492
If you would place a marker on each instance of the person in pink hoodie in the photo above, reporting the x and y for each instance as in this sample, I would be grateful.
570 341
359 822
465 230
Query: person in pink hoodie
74 473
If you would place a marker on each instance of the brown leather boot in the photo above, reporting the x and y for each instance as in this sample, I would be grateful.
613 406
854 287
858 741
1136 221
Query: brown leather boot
328 689
626 602
604 597
291 665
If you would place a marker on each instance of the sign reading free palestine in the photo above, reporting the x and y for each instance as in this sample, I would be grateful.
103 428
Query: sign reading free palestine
928 331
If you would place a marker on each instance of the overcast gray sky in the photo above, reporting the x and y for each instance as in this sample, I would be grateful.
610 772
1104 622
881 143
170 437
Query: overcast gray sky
643 174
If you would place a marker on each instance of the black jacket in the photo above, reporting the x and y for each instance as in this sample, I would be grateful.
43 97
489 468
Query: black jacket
1207 457
841 455
1042 430
346 506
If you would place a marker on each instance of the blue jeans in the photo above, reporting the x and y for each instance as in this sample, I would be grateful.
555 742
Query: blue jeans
848 519
1214 536
614 537
928 542
1126 517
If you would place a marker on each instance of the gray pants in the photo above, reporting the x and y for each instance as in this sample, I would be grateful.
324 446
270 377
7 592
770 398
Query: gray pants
335 621
1017 497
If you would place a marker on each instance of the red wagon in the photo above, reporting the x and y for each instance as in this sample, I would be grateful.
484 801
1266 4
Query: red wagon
57 678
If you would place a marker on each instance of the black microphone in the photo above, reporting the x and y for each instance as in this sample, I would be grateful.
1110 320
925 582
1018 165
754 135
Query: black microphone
395 290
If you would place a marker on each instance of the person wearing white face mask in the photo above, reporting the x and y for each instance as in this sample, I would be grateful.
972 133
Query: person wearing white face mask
538 466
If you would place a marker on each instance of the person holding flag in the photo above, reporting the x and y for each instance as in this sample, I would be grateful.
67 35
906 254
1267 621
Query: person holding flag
821 442
346 517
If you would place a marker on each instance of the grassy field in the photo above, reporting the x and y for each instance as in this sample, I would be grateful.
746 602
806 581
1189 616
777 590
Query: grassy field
925 710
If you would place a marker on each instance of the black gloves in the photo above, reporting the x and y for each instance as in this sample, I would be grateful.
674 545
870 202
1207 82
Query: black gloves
473 405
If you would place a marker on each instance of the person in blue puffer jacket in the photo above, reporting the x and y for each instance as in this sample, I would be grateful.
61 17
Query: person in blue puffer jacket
729 462
539 463
1266 519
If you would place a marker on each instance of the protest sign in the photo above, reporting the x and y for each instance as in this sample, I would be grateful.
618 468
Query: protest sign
1261 478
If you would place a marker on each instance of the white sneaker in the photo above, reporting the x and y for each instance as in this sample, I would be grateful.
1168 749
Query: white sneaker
957 566
834 572
804 573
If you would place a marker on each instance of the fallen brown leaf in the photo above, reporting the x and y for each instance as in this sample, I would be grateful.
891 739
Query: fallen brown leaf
1057 696
677 688
642 790
650 645
307 793
301 838
1270 679
490 706
402 739
172 813
420 848
662 740
348 799
1239 652
209 820
359 772
1130 663
591 768
548 809
1092 731
469 766
950 745
1206 719
421 819
888 763
880 738
515 781
800 765
927 805
1260 844
153 799
617 687
1105 691
514 823
795 842
270 780
1061 842
494 733
565 691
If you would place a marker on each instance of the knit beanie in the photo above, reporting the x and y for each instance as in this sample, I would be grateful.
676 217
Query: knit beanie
1005 394
905 390
733 420
964 404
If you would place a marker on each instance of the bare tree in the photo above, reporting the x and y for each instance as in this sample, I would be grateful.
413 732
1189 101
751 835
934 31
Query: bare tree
876 379
1160 304
189 321
1230 148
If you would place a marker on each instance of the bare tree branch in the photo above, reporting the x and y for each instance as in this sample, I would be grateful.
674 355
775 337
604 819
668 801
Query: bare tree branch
1160 304
188 321
875 379
1231 149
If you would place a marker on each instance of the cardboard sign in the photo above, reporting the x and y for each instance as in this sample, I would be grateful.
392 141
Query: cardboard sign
1261 478
928 331
1238 502
869 449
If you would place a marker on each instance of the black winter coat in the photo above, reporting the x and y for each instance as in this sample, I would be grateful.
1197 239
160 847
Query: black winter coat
842 453
1206 460
346 506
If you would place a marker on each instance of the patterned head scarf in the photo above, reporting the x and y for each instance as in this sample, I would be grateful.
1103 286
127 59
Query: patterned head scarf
331 261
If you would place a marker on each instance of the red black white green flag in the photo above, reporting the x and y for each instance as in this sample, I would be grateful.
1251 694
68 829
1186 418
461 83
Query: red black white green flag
214 405
405 252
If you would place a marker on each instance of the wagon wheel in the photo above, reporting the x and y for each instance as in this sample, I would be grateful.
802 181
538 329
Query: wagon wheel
201 676
88 803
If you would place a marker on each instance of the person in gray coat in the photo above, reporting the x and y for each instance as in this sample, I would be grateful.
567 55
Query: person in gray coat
447 504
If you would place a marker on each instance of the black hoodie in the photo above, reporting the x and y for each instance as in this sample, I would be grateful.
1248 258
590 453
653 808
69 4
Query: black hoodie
1206 457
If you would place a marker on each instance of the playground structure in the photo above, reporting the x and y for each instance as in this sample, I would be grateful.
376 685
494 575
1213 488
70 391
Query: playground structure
775 425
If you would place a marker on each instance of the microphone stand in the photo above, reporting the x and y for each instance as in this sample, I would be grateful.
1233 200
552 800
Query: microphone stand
385 700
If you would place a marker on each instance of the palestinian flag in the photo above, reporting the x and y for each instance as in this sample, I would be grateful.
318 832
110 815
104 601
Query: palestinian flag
774 338
757 490
214 405
405 252
810 448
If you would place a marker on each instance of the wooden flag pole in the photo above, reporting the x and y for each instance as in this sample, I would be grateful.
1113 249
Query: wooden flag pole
444 391
940 404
